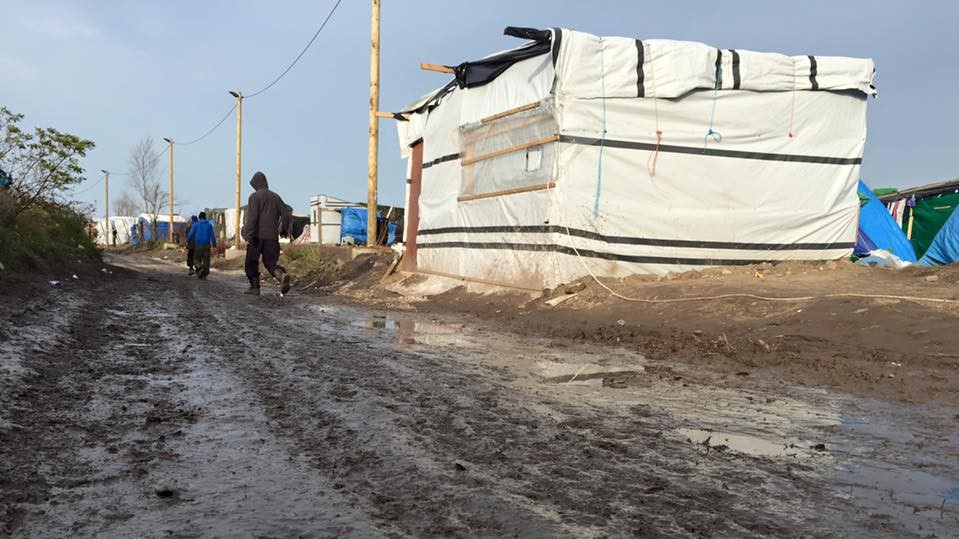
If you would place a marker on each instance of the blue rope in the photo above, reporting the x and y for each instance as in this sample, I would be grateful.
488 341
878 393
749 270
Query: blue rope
602 138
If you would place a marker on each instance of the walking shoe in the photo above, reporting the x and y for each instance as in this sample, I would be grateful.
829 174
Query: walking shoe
253 291
192 271
284 279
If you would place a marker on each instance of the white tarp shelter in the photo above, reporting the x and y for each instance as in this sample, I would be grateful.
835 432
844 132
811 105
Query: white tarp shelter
577 154
325 218
122 225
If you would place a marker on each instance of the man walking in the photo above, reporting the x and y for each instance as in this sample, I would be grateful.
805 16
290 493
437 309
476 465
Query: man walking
202 238
190 251
267 219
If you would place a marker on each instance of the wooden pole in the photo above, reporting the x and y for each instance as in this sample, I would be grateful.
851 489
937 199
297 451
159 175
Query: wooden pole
374 124
171 189
106 199
239 149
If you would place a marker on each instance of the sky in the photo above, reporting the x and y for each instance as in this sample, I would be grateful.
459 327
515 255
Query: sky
116 71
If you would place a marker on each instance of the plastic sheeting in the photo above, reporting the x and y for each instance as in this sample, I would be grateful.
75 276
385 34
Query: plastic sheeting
736 176
671 69
121 224
878 230
162 232
354 226
945 247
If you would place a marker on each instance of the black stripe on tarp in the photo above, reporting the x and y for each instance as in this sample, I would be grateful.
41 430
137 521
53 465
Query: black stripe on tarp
813 68
640 76
737 80
445 158
713 152
587 253
557 42
719 70
628 240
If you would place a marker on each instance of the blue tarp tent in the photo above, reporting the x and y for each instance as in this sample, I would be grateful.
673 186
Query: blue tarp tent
945 246
354 226
878 230
162 228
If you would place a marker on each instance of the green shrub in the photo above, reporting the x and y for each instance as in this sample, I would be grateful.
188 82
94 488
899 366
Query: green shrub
44 235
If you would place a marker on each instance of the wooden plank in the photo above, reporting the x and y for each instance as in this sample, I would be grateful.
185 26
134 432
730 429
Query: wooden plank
510 112
512 149
436 67
476 280
537 187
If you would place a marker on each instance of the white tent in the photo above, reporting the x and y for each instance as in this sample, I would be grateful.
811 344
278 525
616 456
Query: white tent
578 154
122 225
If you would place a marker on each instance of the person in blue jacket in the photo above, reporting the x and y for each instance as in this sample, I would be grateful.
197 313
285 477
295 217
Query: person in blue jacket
203 238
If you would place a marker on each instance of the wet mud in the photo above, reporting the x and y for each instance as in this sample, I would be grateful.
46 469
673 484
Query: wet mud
154 405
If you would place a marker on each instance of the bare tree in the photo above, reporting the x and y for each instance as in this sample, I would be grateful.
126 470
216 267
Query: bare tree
126 205
144 167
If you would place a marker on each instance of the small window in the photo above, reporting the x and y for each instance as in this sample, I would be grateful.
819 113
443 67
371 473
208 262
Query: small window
534 159
503 154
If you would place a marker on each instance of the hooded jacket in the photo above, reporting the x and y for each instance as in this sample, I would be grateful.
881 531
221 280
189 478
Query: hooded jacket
267 216
202 234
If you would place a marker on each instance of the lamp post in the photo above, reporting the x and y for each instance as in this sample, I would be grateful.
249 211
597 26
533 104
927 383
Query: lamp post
239 146
170 141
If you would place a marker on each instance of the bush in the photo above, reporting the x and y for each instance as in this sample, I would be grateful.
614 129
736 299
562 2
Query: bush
43 235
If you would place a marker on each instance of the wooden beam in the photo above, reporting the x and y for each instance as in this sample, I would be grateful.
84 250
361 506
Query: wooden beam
510 112
477 280
436 67
511 149
537 187
391 116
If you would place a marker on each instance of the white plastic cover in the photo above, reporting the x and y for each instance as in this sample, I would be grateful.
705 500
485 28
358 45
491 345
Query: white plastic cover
764 172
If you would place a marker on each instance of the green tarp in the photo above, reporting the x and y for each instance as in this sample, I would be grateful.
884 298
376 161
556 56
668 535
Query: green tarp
928 217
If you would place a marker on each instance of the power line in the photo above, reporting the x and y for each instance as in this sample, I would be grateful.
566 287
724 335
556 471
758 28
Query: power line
98 182
212 129
90 187
297 59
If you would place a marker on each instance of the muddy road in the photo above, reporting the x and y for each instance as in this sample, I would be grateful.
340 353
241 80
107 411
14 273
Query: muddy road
144 403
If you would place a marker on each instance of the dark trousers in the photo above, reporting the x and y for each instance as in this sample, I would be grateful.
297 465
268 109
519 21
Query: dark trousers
202 260
189 256
269 250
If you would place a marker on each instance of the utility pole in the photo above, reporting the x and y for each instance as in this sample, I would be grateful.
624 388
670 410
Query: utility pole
106 198
171 187
239 146
374 125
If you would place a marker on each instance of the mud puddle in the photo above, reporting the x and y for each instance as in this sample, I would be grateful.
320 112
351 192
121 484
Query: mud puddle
861 458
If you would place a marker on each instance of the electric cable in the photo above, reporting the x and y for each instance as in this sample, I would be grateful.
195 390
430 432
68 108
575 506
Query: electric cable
297 59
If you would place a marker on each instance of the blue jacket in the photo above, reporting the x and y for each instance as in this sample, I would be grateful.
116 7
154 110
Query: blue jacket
201 234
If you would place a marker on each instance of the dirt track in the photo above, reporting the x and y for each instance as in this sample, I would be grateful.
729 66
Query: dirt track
148 404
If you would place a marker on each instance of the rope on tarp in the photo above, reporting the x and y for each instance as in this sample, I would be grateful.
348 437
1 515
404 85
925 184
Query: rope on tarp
602 138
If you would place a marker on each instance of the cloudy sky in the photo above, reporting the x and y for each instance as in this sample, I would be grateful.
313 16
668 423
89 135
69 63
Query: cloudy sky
116 71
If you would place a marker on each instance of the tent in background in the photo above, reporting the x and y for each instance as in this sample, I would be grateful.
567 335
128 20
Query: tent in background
121 224
945 246
353 226
878 230
143 229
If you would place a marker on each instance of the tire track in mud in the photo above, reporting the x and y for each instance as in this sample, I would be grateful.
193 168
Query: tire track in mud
429 446
71 423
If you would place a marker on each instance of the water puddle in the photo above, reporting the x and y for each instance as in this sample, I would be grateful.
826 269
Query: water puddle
748 444
584 373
